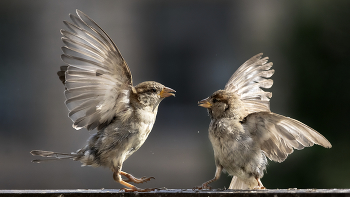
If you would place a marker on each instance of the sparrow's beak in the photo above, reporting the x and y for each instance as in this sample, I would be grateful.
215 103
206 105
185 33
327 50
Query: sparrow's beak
166 92
204 103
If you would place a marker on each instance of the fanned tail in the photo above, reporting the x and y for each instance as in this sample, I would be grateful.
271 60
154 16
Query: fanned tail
237 184
53 155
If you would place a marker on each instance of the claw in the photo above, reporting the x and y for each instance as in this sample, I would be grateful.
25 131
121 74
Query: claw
259 187
216 177
137 189
136 180
130 178
204 186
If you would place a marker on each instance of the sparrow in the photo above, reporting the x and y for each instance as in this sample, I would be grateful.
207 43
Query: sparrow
100 94
243 131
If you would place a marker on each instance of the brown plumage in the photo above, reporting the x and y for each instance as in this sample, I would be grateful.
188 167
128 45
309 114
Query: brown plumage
243 131
100 94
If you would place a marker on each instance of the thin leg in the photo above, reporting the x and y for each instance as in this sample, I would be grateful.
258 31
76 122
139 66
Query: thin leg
260 185
131 178
117 178
216 177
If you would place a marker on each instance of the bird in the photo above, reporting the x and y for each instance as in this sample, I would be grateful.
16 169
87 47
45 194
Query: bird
100 94
243 131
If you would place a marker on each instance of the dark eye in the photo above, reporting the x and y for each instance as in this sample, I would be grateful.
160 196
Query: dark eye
153 90
215 100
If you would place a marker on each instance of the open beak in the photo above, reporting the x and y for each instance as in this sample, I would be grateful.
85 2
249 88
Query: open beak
204 103
166 92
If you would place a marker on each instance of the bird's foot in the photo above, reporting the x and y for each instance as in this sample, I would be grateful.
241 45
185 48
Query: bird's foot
135 189
131 188
259 187
131 178
204 186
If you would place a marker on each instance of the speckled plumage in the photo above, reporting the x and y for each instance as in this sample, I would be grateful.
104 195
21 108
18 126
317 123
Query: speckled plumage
100 95
243 131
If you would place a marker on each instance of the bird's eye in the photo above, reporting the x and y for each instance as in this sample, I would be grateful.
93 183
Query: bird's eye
215 100
153 90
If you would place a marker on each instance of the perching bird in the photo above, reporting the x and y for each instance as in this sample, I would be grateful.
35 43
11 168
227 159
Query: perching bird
100 94
243 131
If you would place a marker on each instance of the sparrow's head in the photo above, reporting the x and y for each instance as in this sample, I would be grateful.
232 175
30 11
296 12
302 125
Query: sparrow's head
151 93
223 104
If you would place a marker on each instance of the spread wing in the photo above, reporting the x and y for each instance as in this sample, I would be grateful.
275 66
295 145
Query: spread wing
248 80
279 135
98 81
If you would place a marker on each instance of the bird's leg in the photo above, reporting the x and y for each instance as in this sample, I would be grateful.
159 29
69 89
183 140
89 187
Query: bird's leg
216 177
131 178
260 185
131 188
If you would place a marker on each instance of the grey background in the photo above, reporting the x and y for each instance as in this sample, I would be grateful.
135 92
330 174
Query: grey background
192 47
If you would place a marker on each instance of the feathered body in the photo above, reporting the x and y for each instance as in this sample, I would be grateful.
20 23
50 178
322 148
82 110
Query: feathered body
243 131
100 94
111 146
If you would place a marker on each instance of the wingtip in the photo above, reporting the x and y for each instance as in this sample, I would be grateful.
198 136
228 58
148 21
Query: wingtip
64 48
63 56
62 31
76 127
34 152
79 13
259 55
324 142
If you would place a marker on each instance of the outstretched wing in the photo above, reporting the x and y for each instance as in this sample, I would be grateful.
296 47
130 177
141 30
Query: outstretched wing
248 80
98 81
279 135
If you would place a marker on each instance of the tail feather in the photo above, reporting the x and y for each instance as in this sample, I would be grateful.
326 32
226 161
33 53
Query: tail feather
55 155
238 184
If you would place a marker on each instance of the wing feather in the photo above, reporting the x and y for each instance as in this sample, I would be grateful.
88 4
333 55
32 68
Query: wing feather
89 37
82 97
248 80
279 135
71 44
81 53
98 81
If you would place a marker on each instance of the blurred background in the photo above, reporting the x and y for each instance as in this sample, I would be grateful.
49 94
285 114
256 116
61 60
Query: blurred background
193 47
